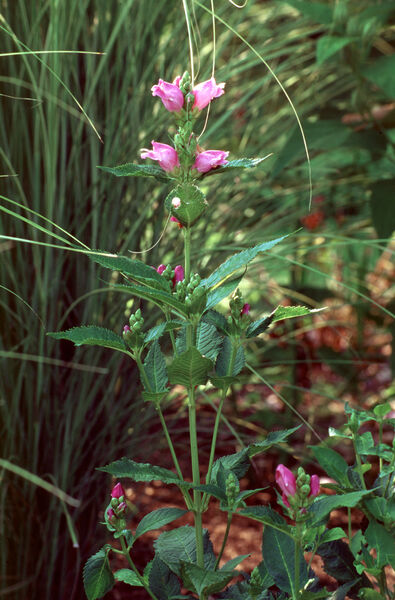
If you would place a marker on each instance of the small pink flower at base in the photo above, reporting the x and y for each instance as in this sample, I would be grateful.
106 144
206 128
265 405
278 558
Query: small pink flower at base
126 329
209 159
285 480
285 500
110 514
117 491
170 94
314 485
175 220
245 310
164 154
160 269
205 92
178 275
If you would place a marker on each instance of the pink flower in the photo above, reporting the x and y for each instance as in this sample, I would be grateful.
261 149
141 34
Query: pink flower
110 514
209 159
178 275
170 94
175 220
117 491
164 154
126 329
286 481
160 269
245 310
205 92
314 485
285 500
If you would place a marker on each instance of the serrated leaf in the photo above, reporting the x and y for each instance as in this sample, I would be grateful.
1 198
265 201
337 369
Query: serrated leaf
238 463
91 335
238 163
212 489
290 312
328 45
268 516
193 203
158 297
383 542
339 563
133 170
203 581
331 535
222 291
157 519
97 575
134 268
208 340
189 368
155 369
180 545
259 326
154 397
278 551
272 438
126 467
364 443
238 261
128 576
156 332
217 319
226 364
162 582
332 463
323 506
224 382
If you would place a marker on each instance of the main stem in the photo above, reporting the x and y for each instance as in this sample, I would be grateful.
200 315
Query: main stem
187 252
197 511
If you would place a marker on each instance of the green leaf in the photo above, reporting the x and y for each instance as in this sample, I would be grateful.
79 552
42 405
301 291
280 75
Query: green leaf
154 397
234 562
222 291
382 541
317 11
238 463
157 519
339 562
180 545
382 409
333 463
278 551
238 163
126 467
193 203
97 575
217 319
224 366
91 336
133 268
128 576
369 594
156 332
259 326
133 170
203 581
222 383
162 582
212 489
323 506
274 437
155 369
381 73
382 207
364 443
159 297
208 340
328 45
268 516
189 368
290 312
331 535
238 261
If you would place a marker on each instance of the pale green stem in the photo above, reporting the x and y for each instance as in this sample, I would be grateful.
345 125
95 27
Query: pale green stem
298 548
125 552
195 477
359 462
229 521
187 252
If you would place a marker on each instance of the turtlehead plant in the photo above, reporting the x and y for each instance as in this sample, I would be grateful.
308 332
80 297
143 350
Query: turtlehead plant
207 348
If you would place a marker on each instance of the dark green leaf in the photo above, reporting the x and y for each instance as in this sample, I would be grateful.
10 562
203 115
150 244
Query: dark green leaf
133 170
238 261
128 576
238 163
180 545
222 383
328 45
268 516
259 326
222 291
228 365
278 551
234 562
339 563
323 506
155 369
126 467
189 368
290 312
331 535
332 463
162 582
159 297
217 319
97 575
208 340
154 397
382 207
193 203
203 581
381 73
369 594
157 519
272 438
382 541
134 268
238 463
92 336
156 332
212 489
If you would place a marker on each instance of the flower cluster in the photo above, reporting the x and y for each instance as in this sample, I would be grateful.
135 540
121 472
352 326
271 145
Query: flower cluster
297 492
186 158
116 510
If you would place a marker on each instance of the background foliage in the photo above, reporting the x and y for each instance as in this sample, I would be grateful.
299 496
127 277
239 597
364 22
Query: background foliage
66 411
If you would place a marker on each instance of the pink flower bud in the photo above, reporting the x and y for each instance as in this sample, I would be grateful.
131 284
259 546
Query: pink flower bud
246 309
110 514
164 154
126 329
170 94
314 485
160 269
175 220
176 202
285 480
178 275
209 159
285 500
117 491
205 92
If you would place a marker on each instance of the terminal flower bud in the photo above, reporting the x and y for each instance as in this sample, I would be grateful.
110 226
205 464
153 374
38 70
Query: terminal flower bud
245 310
160 269
314 485
117 491
170 94
164 154
286 481
209 159
126 329
205 92
110 514
178 275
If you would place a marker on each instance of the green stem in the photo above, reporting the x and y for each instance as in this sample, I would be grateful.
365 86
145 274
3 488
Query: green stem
171 333
187 252
229 521
125 552
297 562
141 369
195 477
359 462
349 525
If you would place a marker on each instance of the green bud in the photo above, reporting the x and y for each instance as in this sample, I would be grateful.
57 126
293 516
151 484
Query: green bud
138 314
304 490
